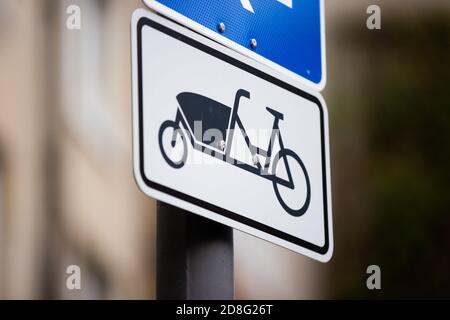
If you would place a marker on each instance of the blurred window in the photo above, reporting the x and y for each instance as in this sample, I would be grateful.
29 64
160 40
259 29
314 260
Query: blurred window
85 95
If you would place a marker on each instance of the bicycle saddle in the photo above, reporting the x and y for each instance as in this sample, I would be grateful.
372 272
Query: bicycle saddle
276 114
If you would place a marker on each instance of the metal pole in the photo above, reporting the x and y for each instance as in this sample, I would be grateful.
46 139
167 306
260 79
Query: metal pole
194 256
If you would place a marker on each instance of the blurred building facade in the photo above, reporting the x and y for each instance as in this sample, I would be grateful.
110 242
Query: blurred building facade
67 194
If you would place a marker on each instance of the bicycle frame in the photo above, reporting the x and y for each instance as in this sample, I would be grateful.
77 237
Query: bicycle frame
254 150
259 170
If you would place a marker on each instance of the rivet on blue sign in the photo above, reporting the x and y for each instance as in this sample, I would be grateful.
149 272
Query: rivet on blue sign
253 43
221 27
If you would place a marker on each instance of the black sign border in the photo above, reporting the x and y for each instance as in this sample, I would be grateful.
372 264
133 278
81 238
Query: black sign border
144 21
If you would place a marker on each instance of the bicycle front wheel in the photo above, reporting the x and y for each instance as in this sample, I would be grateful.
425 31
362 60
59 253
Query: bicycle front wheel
295 200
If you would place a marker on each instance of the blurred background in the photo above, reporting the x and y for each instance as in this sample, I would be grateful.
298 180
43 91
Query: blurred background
67 194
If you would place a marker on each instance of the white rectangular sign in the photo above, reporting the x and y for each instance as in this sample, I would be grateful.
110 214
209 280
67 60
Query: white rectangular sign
220 135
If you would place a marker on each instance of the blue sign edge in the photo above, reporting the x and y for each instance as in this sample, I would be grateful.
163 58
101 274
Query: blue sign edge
195 26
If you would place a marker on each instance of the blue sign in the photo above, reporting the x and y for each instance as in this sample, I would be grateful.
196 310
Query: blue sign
286 34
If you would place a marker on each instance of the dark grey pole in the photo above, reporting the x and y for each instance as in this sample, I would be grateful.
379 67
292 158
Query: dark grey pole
194 256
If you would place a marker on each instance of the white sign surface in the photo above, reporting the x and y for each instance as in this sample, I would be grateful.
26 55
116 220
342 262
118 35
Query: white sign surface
229 139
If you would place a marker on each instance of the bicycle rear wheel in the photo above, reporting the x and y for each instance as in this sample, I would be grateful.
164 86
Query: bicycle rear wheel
171 136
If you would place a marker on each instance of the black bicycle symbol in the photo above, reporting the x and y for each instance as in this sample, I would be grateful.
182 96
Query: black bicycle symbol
212 114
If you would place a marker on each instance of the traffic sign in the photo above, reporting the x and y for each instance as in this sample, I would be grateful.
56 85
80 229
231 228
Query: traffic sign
221 135
288 35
